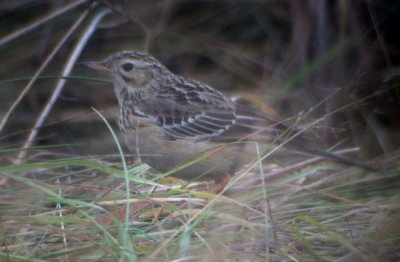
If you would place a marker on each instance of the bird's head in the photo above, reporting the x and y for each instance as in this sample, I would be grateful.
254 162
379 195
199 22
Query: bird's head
130 69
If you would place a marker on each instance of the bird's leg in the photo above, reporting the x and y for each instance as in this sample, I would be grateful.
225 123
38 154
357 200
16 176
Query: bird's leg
220 183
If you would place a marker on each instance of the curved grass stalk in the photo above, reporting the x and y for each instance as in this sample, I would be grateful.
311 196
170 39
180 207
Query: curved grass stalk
67 70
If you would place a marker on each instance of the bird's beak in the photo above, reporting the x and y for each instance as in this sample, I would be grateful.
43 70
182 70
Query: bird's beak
97 66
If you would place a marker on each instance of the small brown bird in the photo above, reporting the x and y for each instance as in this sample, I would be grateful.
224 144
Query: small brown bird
174 122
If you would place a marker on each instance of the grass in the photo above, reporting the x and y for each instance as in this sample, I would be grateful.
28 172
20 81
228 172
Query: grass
322 211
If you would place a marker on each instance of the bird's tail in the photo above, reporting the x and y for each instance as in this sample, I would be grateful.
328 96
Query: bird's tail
341 159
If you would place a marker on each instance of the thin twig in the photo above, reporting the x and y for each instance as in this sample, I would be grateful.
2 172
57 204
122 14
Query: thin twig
67 69
40 22
40 70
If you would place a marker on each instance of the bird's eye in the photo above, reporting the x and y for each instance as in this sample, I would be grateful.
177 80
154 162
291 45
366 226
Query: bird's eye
127 67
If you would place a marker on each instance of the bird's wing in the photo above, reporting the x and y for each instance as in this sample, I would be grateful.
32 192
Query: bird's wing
188 109
251 125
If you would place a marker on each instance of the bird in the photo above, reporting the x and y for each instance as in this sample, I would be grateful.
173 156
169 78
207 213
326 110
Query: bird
190 129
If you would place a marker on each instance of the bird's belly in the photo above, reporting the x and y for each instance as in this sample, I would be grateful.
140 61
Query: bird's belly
185 159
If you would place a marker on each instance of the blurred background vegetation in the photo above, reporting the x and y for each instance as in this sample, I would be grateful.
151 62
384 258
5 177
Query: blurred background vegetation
290 55
337 60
